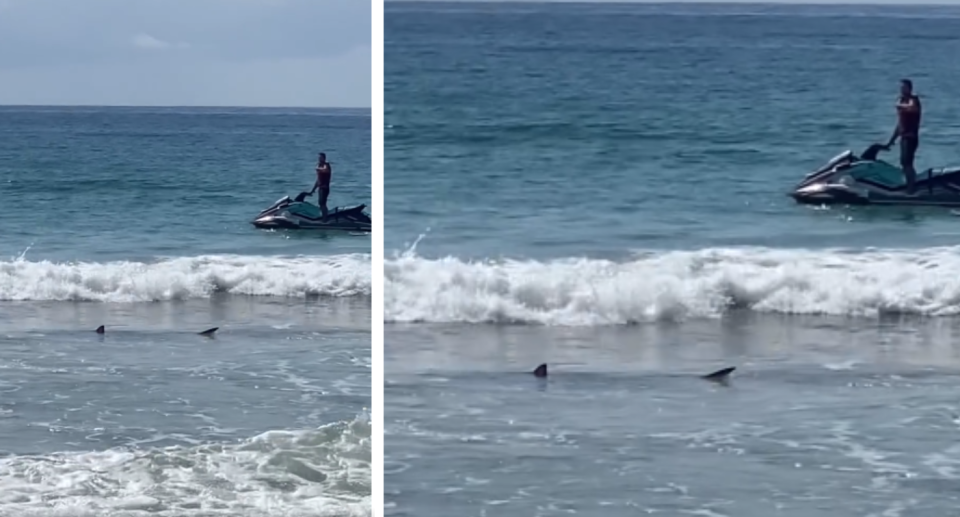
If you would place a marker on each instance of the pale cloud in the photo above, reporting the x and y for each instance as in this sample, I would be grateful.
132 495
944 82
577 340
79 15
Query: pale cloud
147 41
186 52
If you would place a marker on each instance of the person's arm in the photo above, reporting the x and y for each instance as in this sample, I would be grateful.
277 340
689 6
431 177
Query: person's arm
910 105
893 137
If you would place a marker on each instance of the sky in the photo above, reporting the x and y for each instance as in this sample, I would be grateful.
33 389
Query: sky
289 53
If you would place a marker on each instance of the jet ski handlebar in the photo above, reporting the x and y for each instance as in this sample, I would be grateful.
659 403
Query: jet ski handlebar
301 197
872 152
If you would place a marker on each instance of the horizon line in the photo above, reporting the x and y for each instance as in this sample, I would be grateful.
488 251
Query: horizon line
817 3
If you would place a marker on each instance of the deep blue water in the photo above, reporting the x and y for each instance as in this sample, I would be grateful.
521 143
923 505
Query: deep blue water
138 219
602 187
566 130
120 183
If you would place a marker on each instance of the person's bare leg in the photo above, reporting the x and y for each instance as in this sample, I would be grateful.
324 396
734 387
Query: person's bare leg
911 175
908 150
324 193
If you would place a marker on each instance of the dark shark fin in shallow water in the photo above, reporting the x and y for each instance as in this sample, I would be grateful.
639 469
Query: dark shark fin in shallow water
101 329
540 371
720 376
209 332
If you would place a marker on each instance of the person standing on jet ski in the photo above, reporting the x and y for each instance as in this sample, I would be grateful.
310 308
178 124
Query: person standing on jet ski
909 112
323 183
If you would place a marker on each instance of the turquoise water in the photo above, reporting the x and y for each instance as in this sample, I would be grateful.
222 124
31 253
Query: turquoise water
603 187
144 182
139 219
667 130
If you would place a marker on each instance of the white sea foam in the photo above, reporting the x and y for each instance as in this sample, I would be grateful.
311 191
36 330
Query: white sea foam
320 472
186 277
673 285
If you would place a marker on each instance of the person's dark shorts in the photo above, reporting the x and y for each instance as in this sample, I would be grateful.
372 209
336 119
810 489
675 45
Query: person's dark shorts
908 150
324 192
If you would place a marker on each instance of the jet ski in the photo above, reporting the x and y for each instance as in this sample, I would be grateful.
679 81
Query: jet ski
848 179
298 214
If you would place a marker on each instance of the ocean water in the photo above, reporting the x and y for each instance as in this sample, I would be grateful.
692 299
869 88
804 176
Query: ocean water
602 187
138 219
